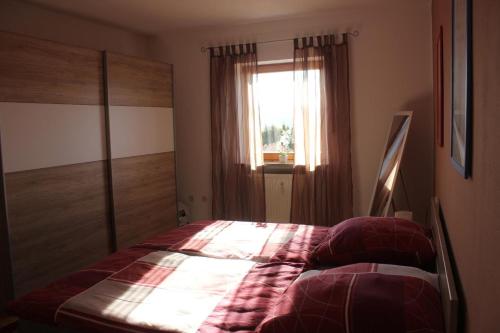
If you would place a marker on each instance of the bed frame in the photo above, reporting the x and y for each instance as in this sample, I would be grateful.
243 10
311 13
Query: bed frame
449 297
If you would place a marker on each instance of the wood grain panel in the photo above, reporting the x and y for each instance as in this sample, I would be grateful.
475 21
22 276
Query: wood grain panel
144 195
139 82
39 71
57 218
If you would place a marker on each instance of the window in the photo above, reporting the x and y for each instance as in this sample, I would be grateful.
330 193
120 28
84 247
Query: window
275 99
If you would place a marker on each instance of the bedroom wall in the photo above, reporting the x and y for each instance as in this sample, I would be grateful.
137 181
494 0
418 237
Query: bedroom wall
391 65
36 21
471 206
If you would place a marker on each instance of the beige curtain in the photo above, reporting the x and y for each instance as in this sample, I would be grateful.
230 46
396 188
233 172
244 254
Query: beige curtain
322 180
237 159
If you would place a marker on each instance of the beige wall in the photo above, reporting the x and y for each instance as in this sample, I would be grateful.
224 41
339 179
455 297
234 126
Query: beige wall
32 20
471 207
391 64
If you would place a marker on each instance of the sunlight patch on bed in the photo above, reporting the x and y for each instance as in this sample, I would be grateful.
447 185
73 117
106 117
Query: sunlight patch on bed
179 302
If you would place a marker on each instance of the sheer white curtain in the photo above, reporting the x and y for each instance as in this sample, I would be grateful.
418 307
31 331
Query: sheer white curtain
308 122
250 138
322 184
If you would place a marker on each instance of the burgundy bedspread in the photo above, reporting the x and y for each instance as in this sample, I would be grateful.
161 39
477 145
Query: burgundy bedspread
261 242
41 304
238 271
144 290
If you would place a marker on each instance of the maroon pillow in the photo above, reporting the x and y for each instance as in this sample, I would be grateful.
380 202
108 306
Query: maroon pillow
376 239
341 302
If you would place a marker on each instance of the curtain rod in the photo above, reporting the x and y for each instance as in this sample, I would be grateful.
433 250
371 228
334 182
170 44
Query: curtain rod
204 49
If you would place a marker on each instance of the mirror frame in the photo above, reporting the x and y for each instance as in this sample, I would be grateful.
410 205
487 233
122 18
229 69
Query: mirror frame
409 114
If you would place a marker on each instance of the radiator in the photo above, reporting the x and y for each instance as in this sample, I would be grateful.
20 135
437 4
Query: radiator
278 197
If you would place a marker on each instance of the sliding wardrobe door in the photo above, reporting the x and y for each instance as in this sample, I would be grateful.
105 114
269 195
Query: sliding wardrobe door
6 282
53 147
142 147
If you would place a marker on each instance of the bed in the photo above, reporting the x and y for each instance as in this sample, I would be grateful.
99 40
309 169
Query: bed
256 241
143 290
199 278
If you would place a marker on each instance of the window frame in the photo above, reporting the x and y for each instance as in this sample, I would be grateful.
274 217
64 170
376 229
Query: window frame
275 67
273 157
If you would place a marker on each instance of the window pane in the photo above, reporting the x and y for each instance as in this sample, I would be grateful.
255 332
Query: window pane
275 99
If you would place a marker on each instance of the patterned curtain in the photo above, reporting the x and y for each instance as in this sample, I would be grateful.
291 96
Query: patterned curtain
322 176
237 159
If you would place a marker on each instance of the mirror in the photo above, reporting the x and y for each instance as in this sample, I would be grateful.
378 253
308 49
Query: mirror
389 165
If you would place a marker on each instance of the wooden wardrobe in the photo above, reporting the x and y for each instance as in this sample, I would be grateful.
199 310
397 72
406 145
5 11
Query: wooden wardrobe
88 157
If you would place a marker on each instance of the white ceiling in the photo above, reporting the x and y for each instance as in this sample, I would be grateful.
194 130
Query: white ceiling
155 16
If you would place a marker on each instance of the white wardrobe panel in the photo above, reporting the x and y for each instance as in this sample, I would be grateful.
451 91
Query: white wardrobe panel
141 130
37 136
